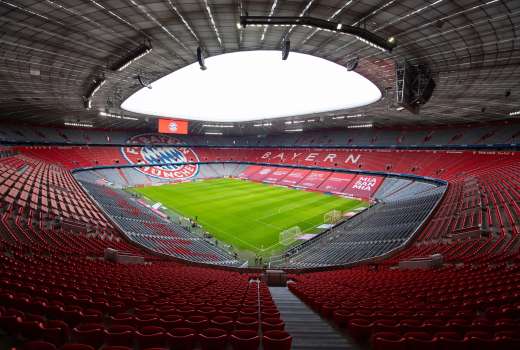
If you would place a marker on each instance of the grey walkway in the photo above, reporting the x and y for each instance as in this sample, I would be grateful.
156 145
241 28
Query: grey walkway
308 329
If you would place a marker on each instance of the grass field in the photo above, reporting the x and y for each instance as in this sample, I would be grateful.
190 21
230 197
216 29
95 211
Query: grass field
247 215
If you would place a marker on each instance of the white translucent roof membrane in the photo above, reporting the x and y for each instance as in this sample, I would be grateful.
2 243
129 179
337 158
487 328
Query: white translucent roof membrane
253 85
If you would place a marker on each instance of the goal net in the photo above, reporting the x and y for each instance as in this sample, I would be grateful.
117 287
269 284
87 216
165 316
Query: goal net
332 216
287 237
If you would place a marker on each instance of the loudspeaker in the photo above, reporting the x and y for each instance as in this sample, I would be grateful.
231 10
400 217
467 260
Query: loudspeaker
200 58
286 48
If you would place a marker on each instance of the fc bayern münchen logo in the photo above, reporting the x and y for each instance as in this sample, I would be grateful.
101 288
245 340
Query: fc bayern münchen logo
172 159
173 126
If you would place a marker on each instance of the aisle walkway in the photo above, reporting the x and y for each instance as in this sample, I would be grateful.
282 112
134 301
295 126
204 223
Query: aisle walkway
308 329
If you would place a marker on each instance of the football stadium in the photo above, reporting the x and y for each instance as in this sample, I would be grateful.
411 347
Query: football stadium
259 175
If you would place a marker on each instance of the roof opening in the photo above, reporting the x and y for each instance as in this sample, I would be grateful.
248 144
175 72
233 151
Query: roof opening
254 85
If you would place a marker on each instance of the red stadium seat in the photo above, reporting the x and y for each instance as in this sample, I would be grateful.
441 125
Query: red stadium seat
89 333
247 322
360 328
388 341
276 340
76 346
223 322
271 324
56 332
182 338
38 345
119 335
244 339
150 336
213 339
420 340
197 323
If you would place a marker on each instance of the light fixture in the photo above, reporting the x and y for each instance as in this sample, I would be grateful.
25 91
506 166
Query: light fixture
293 130
136 55
339 117
359 126
514 113
360 33
92 91
200 58
218 126
212 133
143 82
116 116
352 63
355 116
286 49
400 108
391 40
262 124
78 124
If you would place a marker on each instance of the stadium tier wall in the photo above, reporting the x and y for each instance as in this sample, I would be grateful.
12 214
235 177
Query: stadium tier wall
498 133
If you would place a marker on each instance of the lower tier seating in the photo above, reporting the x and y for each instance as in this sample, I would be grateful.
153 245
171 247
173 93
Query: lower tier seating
51 301
154 232
384 227
466 307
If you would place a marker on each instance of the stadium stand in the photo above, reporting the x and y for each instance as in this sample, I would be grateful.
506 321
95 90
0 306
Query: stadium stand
498 133
57 300
411 241
133 177
155 232
456 307
468 172
385 227
44 209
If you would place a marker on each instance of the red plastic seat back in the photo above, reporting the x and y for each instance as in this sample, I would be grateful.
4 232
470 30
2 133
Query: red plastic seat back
182 338
244 339
276 340
38 345
213 339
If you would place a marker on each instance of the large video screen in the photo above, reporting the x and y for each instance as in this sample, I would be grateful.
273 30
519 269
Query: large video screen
172 126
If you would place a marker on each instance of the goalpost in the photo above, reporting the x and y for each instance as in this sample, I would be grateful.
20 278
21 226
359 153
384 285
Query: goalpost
332 216
287 237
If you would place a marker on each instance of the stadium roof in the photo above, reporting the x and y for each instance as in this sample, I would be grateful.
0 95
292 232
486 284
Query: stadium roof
56 52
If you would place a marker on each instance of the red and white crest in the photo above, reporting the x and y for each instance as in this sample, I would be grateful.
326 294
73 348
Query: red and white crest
172 159
172 126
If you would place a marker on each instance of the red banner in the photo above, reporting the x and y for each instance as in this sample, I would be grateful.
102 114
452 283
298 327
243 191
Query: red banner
277 175
294 177
261 174
363 186
250 170
314 179
336 182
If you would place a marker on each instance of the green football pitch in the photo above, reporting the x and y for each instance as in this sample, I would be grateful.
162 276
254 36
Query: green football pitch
248 215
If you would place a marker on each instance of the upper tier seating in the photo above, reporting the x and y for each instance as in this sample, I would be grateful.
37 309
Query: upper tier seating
498 133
